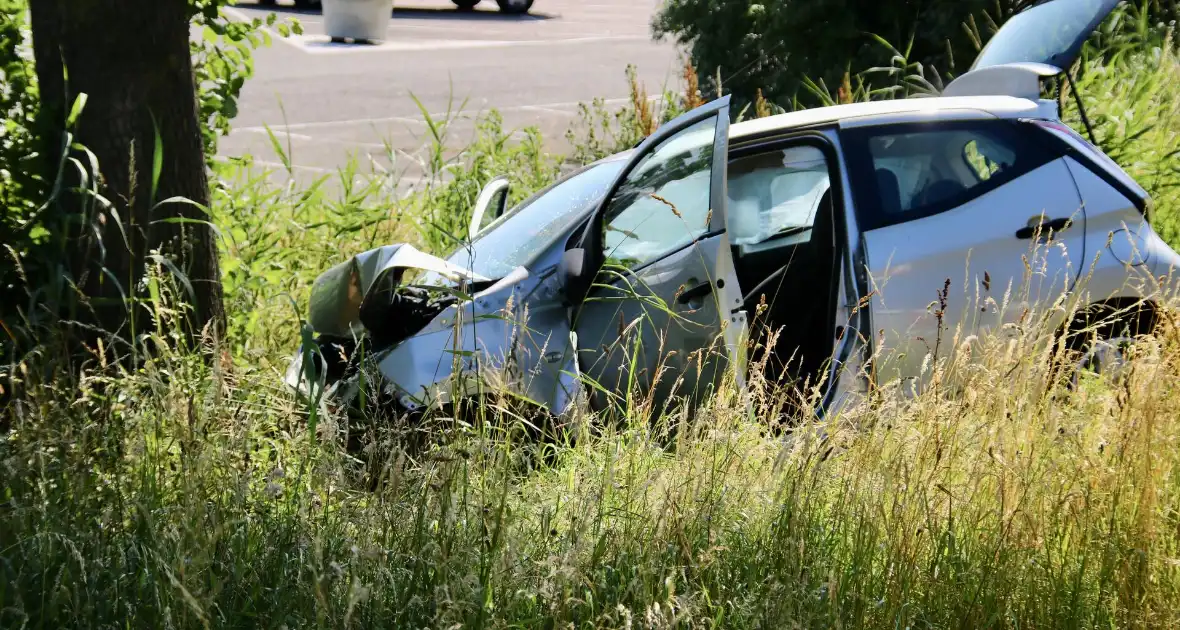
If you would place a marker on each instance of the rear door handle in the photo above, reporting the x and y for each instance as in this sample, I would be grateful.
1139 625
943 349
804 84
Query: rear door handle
696 293
1044 228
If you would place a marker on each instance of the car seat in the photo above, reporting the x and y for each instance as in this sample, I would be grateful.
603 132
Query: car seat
940 191
802 311
889 190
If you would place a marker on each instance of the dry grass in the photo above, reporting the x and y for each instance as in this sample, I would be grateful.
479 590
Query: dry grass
185 495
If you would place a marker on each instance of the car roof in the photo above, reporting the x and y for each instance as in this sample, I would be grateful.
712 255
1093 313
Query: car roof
875 113
884 112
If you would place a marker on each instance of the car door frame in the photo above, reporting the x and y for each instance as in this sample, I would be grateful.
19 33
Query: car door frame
857 160
583 261
497 185
853 341
588 238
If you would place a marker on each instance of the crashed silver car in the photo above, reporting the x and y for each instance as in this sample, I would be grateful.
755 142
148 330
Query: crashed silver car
646 271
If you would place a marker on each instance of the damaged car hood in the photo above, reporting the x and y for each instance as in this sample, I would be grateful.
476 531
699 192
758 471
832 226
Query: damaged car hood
338 295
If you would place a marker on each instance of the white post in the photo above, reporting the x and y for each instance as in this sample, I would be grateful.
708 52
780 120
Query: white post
360 20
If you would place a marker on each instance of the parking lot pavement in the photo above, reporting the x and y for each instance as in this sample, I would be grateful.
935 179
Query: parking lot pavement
327 102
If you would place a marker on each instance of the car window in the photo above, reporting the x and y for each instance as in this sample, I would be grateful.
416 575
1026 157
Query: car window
907 172
775 193
663 204
524 232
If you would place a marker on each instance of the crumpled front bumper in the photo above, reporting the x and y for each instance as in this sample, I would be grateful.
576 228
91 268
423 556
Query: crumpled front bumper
463 351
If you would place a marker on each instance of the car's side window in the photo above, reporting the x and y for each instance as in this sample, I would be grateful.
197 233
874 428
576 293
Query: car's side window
907 172
775 194
663 204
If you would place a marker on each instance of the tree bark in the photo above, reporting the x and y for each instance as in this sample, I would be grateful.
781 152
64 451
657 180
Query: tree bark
131 58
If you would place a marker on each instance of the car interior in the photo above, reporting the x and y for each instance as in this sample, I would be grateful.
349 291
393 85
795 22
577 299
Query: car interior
931 168
783 233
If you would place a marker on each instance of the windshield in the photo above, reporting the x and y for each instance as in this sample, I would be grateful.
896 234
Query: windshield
1052 33
523 233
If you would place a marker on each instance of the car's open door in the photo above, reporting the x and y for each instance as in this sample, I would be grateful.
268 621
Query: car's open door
1042 41
652 280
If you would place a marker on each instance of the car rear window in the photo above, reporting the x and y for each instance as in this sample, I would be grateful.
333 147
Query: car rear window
906 172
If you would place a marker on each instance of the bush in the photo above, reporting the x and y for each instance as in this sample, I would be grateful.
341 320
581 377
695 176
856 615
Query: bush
776 45
1129 80
21 186
18 114
223 60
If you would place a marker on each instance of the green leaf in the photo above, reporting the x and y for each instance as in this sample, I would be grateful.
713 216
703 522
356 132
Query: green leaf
157 158
76 110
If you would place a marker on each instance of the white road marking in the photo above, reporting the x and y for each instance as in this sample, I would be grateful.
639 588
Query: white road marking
277 165
322 45
276 131
546 110
305 138
368 121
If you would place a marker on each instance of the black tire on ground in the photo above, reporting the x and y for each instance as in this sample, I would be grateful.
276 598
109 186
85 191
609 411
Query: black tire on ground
1104 332
465 5
515 6
307 4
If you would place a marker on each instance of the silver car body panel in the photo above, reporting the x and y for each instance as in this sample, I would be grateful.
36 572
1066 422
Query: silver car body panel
1125 257
514 334
991 279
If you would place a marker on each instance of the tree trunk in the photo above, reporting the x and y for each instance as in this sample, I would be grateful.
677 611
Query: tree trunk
131 58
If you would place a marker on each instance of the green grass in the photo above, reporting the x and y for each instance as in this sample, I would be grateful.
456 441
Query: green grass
191 492
1128 79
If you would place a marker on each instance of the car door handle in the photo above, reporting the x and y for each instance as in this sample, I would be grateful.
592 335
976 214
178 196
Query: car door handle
696 293
1044 228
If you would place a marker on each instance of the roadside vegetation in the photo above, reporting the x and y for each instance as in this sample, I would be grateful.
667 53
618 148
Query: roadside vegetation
190 488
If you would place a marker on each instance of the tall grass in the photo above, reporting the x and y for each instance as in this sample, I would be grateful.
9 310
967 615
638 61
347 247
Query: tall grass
1127 79
190 491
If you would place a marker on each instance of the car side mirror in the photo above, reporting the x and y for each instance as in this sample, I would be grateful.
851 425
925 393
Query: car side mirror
489 206
573 274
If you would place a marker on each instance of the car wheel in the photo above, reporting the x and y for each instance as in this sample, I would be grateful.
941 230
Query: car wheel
515 6
307 4
465 5
1114 330
1106 358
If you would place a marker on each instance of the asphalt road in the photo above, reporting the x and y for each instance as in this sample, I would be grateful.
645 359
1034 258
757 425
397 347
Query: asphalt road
330 101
